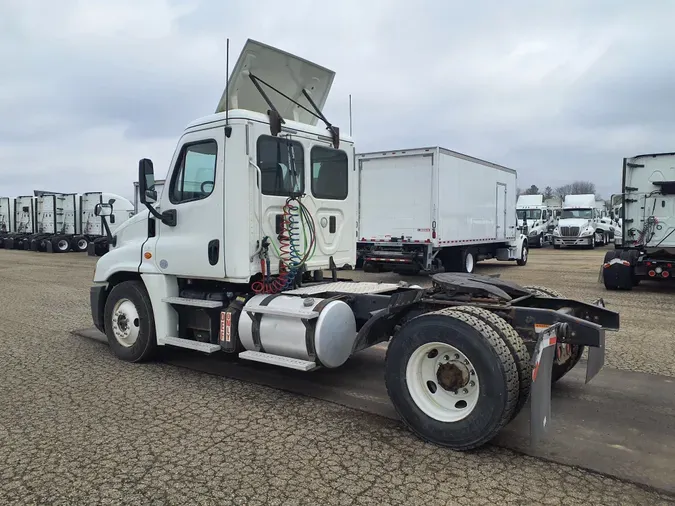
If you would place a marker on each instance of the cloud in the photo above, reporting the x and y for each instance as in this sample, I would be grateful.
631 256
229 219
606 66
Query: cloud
558 92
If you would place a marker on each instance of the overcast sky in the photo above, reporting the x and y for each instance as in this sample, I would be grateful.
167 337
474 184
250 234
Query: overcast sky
558 92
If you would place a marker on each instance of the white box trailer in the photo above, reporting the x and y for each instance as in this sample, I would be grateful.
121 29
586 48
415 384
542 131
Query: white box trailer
158 187
427 208
93 226
646 248
24 222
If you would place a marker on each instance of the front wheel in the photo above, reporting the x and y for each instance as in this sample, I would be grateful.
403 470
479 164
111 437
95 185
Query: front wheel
452 379
523 256
129 322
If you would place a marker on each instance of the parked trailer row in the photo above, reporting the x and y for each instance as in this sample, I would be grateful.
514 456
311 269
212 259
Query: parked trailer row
59 222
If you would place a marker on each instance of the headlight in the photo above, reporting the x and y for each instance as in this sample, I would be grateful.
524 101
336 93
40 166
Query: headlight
587 231
556 231
533 233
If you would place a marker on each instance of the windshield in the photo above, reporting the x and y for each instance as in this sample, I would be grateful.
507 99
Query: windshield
528 214
586 214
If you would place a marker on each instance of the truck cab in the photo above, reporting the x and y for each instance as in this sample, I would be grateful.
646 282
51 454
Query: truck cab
532 211
253 201
578 222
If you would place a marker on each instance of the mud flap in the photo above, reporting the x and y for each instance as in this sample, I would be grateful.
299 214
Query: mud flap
596 354
540 393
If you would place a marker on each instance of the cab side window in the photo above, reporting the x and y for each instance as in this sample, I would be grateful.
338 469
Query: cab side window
195 172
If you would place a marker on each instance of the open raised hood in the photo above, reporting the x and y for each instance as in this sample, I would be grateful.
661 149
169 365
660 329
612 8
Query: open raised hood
283 71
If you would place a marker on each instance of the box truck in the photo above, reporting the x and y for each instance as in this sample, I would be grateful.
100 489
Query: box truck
429 209
538 218
24 223
6 218
645 250
259 198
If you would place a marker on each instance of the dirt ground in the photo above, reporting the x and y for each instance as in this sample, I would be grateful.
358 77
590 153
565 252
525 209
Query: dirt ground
77 426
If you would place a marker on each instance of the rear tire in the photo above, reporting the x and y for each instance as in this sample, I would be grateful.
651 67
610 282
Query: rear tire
79 243
452 345
60 244
515 344
560 368
129 322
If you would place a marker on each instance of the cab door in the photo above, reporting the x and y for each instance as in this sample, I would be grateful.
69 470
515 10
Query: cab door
195 190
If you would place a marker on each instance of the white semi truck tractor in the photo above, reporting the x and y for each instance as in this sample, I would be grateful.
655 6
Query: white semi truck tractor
578 221
260 201
539 219
645 249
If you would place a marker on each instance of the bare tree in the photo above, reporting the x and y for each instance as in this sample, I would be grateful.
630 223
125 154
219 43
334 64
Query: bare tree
575 188
532 190
548 192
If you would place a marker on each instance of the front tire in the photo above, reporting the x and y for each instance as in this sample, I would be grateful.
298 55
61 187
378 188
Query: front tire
452 379
130 323
523 256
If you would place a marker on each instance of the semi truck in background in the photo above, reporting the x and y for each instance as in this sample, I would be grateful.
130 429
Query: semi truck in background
23 213
60 222
646 249
578 221
432 209
95 231
55 223
538 218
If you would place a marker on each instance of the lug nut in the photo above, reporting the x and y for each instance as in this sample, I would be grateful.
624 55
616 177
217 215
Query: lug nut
456 356
473 383
465 391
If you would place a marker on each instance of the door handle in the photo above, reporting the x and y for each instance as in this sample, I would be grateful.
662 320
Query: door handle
213 250
332 224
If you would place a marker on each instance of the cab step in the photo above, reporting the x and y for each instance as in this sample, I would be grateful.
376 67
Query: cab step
278 360
191 345
184 301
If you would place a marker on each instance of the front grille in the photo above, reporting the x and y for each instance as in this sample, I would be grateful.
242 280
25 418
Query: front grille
569 231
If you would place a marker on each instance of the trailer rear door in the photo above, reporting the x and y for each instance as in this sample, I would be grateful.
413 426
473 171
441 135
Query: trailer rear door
395 197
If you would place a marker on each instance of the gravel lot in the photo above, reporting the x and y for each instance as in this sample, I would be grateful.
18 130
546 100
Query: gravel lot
78 426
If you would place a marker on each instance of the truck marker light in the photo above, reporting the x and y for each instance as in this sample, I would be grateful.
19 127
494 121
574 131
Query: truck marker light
665 274
147 255
652 274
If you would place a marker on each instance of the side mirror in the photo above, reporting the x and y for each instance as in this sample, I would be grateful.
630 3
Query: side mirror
103 210
146 181
275 122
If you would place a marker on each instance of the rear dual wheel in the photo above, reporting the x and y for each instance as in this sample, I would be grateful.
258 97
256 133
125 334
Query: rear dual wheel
567 355
456 376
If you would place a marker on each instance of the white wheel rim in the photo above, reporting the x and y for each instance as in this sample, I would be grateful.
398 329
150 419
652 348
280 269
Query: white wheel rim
524 255
468 263
82 244
125 323
63 245
427 390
